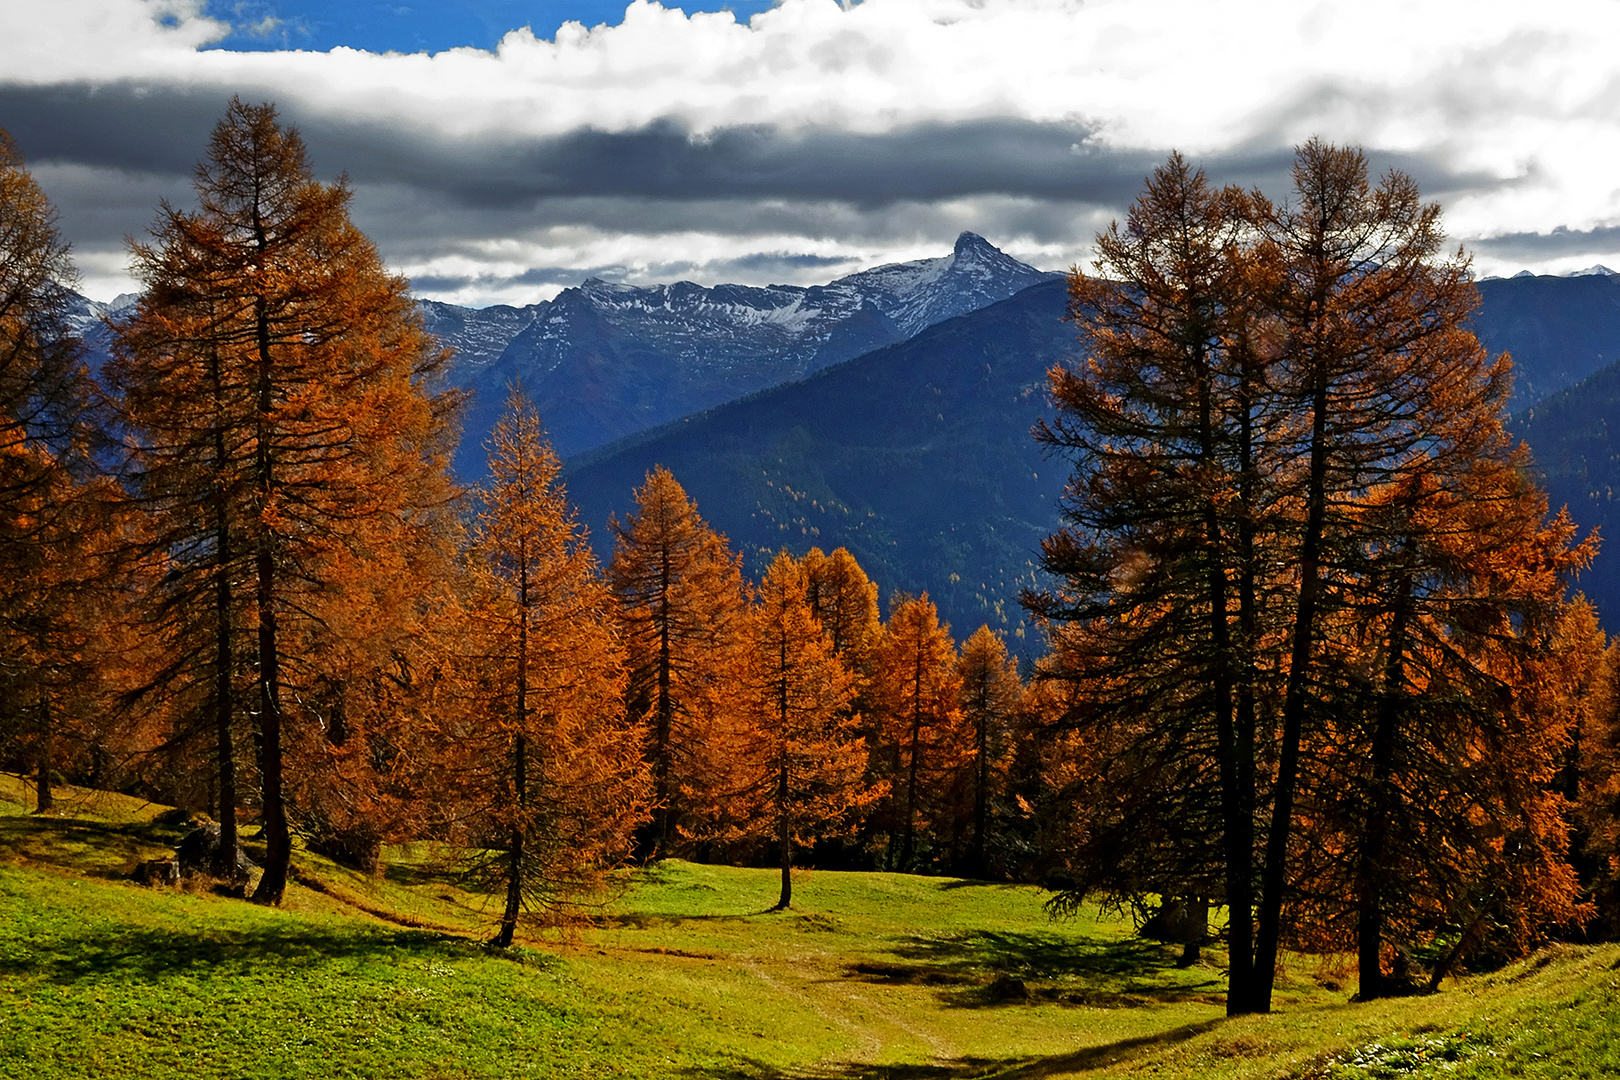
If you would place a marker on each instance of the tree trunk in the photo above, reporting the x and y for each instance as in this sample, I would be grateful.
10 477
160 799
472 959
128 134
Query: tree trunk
225 858
515 853
1239 824
981 784
908 842
784 837
44 798
1369 872
278 840
1274 876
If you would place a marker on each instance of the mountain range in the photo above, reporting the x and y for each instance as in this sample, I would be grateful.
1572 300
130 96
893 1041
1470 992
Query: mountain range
918 456
889 411
603 361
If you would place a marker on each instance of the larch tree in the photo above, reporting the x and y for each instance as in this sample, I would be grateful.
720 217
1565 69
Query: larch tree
1592 774
1159 554
1282 415
915 689
681 600
1437 801
1390 387
299 373
46 489
845 601
549 752
990 697
801 759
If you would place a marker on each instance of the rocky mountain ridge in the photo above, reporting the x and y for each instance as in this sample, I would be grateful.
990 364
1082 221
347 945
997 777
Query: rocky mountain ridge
603 361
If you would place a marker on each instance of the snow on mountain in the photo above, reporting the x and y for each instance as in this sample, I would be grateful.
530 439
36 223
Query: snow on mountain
919 294
479 335
604 360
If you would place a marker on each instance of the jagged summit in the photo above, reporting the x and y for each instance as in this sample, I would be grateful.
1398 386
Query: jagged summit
604 360
918 294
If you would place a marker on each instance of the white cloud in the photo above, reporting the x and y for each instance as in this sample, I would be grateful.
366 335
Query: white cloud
1525 101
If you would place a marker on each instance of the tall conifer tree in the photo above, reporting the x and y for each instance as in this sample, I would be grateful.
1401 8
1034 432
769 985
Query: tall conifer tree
559 768
990 696
276 365
802 760
47 524
1282 416
916 689
681 601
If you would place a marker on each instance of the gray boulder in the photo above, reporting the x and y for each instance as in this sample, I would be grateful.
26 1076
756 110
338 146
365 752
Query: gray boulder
198 849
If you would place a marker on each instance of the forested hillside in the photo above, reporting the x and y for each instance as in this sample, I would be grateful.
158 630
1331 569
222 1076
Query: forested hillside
944 491
917 458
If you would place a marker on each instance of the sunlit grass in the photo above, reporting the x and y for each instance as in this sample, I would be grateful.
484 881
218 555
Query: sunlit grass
687 974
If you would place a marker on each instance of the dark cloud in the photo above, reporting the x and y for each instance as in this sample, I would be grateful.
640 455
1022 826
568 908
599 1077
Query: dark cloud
136 127
113 150
773 260
433 283
1533 247
164 129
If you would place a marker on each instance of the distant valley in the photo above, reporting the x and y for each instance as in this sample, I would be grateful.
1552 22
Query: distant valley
918 456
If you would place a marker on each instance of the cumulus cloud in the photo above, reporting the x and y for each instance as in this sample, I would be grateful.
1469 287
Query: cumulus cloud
815 137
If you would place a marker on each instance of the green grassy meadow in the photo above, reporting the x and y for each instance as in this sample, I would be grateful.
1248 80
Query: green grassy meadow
687 975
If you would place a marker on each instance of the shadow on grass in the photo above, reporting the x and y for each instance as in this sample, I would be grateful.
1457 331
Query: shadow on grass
975 968
153 954
88 847
415 875
974 883
1010 1068
636 920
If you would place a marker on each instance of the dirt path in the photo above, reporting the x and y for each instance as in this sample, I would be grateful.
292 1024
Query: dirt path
876 1027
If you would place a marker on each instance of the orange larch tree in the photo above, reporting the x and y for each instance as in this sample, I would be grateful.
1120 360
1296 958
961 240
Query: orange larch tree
990 698
1390 388
802 760
319 437
916 690
681 600
49 529
1282 415
1159 556
1434 803
547 751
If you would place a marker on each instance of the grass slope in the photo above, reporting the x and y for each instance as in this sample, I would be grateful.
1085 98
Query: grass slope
687 975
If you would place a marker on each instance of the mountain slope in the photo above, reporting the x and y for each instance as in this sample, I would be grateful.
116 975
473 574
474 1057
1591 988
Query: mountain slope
604 361
1574 436
917 457
1559 330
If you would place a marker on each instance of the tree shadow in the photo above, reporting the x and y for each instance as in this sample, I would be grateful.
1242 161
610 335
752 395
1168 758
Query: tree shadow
88 847
418 875
151 954
1009 1068
987 968
975 883
636 920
